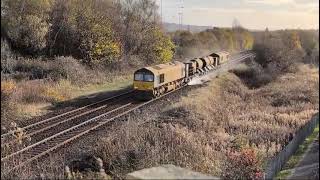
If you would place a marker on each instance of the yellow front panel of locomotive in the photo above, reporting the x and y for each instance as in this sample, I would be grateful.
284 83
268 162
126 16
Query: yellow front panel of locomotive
142 85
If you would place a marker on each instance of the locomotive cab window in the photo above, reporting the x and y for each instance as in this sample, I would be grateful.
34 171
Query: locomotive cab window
161 78
148 77
138 77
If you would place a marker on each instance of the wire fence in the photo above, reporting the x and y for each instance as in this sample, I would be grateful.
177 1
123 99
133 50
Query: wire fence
277 162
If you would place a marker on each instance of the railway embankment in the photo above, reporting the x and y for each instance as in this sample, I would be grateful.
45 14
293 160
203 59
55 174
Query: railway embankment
208 128
213 128
33 141
302 153
294 151
304 163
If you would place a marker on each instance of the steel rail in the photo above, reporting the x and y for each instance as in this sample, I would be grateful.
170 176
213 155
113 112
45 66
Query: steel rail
36 131
60 133
63 114
101 123
68 119
84 125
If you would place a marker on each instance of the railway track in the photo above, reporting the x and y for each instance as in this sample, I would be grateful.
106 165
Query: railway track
32 129
37 132
50 134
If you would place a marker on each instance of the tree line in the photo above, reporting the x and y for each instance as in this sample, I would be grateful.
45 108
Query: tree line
215 39
103 32
98 32
283 49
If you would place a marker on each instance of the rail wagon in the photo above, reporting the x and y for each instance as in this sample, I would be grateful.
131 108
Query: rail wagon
220 57
153 81
207 61
199 63
191 68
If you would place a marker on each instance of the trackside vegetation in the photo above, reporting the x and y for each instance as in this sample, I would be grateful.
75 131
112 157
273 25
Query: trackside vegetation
297 156
53 51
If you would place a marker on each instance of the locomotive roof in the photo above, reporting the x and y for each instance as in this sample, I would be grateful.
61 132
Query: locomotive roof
220 53
156 69
196 59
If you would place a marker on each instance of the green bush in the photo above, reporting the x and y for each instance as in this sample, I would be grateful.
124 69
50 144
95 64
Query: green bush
158 50
89 29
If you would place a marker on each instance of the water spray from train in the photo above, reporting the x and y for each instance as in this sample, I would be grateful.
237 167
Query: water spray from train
199 80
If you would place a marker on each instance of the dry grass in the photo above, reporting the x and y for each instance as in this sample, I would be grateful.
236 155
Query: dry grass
223 121
204 127
26 99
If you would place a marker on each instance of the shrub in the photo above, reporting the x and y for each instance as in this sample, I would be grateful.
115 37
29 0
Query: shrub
159 49
40 91
25 24
190 45
7 103
68 68
242 164
7 58
54 69
7 88
314 57
280 50
32 68
163 48
88 27
31 92
254 76
53 95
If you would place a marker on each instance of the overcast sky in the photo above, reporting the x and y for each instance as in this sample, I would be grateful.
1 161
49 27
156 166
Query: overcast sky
252 14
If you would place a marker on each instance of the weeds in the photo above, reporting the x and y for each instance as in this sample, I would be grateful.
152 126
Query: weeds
213 126
296 157
7 104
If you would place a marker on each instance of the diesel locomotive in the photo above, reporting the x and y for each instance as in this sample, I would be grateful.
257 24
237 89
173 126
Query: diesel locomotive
154 81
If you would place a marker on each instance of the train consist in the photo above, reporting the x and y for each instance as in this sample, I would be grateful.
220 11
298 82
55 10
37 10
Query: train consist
153 81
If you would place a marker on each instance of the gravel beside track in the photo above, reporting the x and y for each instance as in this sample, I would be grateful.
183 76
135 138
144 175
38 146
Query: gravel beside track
62 131
51 126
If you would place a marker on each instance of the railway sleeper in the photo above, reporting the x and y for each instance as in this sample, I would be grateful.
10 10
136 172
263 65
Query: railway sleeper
59 139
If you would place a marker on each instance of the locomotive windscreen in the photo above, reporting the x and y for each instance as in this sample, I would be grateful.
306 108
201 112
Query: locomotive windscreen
143 76
138 77
148 77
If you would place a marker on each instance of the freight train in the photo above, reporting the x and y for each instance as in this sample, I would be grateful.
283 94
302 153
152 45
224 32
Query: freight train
154 81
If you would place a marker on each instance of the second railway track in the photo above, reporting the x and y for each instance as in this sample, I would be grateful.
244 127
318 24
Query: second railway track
41 148
32 128
48 127
60 132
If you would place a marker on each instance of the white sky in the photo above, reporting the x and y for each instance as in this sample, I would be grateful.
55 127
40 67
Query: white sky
252 14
